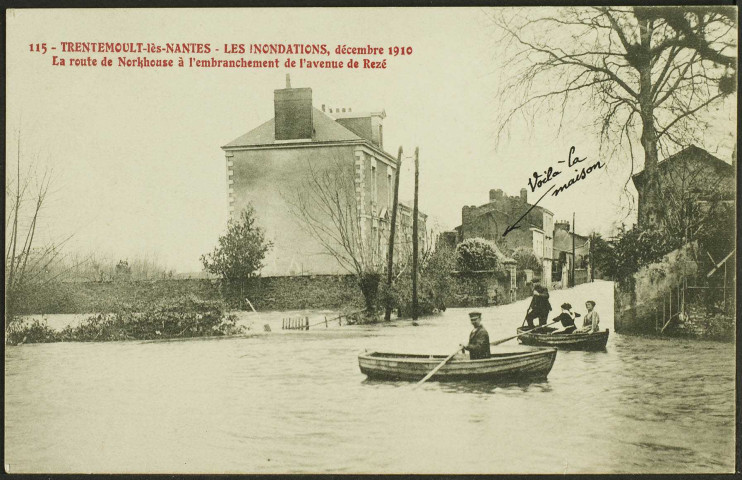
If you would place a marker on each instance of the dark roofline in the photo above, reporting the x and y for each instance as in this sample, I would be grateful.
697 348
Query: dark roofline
309 144
666 161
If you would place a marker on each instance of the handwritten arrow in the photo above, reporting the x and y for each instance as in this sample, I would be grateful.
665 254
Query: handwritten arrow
515 225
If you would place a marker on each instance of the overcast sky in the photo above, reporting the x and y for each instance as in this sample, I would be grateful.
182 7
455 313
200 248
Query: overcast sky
138 168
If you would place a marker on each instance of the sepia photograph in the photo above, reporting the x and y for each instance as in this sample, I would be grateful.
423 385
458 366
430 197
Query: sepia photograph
419 240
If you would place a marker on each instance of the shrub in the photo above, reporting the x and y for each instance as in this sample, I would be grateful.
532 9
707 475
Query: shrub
37 331
182 317
526 259
433 285
631 250
241 250
475 254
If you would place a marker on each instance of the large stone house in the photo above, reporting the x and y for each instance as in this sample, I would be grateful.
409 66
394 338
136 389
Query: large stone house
276 167
489 221
689 180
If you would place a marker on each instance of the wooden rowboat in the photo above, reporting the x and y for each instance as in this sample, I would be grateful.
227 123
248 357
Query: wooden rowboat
505 363
571 341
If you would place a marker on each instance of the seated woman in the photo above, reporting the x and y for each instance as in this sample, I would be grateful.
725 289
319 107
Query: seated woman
591 320
567 318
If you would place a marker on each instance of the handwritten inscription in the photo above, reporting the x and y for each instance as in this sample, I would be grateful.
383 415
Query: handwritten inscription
538 180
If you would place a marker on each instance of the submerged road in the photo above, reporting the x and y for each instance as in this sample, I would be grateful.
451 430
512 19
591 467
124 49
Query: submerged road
296 402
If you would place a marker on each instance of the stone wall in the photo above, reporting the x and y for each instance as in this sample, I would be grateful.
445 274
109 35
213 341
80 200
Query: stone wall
303 292
479 289
638 305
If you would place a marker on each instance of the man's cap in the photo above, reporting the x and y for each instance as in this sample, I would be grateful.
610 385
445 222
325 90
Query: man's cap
474 315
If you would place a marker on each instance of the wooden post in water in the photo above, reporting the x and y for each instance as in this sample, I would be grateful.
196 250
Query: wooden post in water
414 238
306 322
392 231
325 321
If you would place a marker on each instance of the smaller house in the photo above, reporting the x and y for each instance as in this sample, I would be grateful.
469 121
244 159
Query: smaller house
564 259
688 179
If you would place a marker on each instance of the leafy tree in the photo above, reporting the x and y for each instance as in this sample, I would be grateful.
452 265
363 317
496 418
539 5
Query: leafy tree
526 259
631 250
474 254
717 237
241 250
434 284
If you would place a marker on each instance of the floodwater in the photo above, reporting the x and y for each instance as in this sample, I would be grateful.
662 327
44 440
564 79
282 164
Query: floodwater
296 402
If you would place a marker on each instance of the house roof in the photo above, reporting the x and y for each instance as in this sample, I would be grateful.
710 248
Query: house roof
563 240
381 114
325 128
691 151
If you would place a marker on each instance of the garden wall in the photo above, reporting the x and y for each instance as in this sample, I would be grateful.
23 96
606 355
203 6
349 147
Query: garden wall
639 298
265 293
480 289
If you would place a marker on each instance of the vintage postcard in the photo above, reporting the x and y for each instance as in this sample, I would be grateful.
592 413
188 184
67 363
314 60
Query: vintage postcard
371 240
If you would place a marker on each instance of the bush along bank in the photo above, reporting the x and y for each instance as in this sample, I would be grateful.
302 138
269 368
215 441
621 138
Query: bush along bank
182 317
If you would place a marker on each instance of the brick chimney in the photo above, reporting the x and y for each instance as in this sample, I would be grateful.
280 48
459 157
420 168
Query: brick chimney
524 195
293 112
562 225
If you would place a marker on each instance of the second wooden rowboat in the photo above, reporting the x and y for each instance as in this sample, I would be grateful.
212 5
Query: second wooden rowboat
505 363
568 341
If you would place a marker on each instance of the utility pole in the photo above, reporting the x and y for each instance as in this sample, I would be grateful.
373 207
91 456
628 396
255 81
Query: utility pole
414 240
573 251
390 263
590 258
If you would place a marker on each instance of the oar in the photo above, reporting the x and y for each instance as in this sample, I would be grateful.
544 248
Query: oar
516 336
432 372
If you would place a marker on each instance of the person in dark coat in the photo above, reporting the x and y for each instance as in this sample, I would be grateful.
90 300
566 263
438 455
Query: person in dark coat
567 318
479 339
539 307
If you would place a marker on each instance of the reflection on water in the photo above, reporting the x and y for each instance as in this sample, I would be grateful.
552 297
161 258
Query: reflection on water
296 402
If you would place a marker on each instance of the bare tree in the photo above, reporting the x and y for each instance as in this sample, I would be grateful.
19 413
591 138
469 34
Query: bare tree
650 71
29 263
328 208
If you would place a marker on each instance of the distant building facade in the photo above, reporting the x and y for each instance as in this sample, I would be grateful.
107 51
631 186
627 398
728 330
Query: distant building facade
687 179
272 165
489 221
564 259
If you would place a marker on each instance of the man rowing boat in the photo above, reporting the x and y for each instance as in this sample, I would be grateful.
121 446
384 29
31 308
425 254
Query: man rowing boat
479 339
